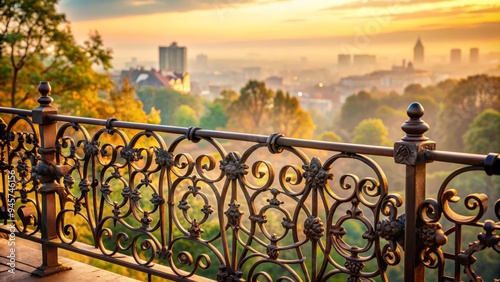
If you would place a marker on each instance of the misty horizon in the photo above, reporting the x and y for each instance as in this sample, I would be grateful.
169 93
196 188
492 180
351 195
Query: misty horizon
287 30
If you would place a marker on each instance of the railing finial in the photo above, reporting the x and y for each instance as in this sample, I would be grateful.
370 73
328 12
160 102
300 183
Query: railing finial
44 90
415 127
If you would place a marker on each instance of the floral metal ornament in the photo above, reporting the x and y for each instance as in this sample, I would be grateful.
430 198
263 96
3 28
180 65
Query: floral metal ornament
146 220
404 153
23 169
130 154
84 185
91 148
195 230
392 229
432 235
106 188
157 200
164 158
354 266
314 228
68 181
315 175
274 201
232 166
233 214
272 249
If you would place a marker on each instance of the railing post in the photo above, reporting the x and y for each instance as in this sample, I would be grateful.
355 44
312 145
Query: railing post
410 151
48 173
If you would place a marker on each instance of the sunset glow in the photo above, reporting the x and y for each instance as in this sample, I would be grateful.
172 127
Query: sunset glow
224 28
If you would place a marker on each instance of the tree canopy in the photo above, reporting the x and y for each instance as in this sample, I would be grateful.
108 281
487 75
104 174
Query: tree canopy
260 110
36 44
371 132
289 118
214 118
250 110
167 101
469 98
483 133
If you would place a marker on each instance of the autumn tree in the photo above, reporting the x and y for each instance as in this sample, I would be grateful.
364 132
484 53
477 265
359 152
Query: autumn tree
124 105
249 112
330 136
228 97
289 118
259 110
36 44
38 39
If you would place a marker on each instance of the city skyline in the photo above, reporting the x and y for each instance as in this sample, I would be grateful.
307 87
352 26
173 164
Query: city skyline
289 29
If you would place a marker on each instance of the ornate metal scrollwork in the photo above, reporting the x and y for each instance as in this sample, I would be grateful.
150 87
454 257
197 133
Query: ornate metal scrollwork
432 235
488 239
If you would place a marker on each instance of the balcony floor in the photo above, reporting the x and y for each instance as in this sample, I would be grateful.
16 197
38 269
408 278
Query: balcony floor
29 257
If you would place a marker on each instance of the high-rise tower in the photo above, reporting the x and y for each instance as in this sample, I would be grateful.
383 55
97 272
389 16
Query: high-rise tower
474 55
173 58
455 56
418 52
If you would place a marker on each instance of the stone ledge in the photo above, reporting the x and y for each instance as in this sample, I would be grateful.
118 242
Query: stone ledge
29 257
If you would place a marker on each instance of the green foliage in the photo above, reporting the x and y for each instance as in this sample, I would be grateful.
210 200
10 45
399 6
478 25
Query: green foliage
469 98
123 99
357 108
388 107
214 118
371 132
322 122
185 116
483 135
167 101
413 89
391 116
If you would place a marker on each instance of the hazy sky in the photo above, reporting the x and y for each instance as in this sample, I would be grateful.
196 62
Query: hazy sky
287 28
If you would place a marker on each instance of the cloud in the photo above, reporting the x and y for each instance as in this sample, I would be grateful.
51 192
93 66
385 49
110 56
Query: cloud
467 11
380 4
80 10
488 10
437 34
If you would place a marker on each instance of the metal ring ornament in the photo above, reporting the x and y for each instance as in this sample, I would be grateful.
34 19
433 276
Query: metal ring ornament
272 143
492 164
109 122
191 134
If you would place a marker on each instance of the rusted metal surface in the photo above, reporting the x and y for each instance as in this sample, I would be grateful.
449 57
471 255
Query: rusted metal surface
183 198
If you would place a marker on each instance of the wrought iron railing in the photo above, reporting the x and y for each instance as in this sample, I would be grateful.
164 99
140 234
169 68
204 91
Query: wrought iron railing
183 204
